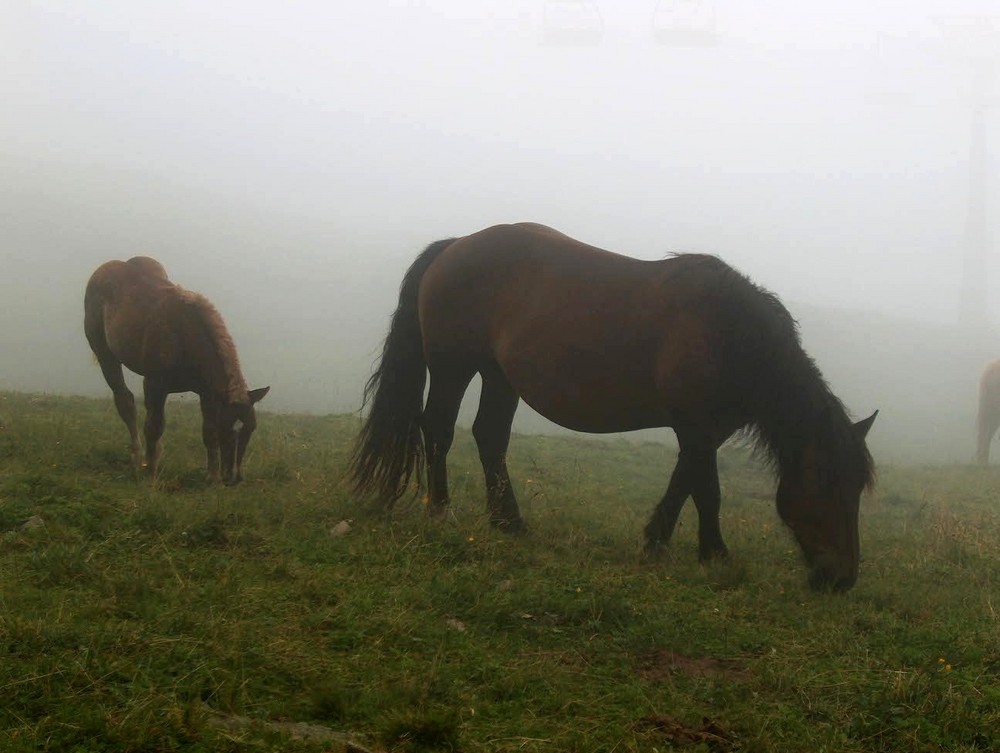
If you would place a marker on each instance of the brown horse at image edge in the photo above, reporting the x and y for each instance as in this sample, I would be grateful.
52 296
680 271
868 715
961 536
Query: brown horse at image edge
176 340
599 342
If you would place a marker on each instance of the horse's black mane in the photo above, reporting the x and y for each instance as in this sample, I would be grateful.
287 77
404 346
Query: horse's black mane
789 401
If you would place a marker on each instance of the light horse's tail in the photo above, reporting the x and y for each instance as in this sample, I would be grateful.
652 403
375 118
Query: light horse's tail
390 445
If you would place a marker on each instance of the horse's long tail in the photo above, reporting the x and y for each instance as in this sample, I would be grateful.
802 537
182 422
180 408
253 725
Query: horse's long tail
390 445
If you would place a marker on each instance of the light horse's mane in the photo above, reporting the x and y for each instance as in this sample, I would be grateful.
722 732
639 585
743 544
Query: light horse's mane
210 320
789 395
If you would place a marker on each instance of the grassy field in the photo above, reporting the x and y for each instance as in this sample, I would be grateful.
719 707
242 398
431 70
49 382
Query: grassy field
191 617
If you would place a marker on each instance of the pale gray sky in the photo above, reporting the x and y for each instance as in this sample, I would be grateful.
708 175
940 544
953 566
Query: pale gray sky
803 136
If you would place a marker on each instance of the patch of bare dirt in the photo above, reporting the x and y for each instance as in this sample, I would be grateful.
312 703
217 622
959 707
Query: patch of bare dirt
664 663
710 734
244 727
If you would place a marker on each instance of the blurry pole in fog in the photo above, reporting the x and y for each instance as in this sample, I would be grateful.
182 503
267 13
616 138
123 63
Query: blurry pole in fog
685 23
974 310
571 23
975 39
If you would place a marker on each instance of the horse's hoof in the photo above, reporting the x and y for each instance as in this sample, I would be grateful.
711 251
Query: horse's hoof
515 526
652 550
437 512
713 555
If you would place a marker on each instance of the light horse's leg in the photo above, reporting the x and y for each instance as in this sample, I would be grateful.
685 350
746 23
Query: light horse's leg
497 404
155 399
696 474
112 369
210 436
987 428
988 418
448 383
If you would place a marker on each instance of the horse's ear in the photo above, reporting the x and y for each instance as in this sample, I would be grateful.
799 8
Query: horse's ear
258 394
862 427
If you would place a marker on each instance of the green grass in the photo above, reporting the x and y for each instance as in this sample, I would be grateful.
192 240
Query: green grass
201 618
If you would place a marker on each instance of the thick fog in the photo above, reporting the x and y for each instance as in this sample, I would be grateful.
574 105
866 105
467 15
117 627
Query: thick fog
290 160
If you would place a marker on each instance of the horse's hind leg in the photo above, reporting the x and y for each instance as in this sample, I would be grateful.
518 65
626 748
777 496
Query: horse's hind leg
984 439
497 405
155 399
988 423
111 368
124 402
448 383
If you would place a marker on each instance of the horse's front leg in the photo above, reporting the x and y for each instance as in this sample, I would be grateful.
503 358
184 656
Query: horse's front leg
695 474
210 436
708 499
661 525
155 397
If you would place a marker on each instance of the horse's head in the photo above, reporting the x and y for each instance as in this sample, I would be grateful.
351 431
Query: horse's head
819 501
233 441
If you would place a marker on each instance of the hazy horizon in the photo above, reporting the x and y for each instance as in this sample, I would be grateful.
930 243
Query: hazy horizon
289 163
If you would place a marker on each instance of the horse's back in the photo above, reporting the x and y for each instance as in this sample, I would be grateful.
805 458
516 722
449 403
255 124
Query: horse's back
488 285
115 278
147 266
532 276
588 337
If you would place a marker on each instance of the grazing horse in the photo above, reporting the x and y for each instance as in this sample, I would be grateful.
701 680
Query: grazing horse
176 340
988 418
599 342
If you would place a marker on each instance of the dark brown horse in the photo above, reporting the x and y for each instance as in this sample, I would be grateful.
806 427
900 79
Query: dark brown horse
988 419
599 342
176 340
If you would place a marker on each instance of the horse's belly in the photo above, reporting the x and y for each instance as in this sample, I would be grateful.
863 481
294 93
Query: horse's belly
597 422
125 343
594 402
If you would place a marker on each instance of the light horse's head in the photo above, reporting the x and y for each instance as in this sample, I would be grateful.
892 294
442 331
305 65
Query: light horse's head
233 439
818 500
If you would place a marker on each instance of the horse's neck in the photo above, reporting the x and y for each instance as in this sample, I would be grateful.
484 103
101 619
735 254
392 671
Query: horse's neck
215 356
798 408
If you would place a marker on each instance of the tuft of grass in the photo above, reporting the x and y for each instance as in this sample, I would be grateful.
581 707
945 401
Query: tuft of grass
415 732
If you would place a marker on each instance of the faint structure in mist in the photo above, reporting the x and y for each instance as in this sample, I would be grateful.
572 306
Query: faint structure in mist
685 23
976 40
572 23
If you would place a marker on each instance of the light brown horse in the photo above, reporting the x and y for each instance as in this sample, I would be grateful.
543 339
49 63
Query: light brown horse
176 340
988 418
600 342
